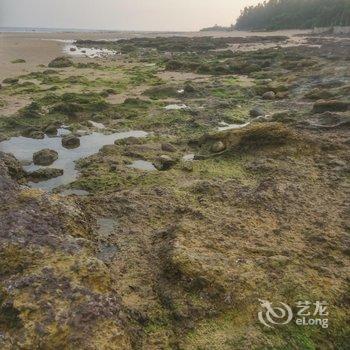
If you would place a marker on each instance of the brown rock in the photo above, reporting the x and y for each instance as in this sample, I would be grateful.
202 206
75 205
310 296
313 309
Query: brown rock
70 141
44 174
45 157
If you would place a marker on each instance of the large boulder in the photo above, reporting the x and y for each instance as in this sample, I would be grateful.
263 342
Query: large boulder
70 141
44 174
45 157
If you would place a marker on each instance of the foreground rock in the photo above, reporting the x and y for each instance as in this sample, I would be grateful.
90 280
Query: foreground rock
44 174
45 157
14 168
70 141
44 237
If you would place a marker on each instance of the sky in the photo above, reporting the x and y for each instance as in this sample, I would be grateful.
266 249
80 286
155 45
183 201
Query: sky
162 15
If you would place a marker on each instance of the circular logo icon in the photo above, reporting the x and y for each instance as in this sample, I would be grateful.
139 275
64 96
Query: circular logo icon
273 315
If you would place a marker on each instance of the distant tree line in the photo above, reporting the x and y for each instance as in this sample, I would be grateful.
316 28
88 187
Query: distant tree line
218 28
294 14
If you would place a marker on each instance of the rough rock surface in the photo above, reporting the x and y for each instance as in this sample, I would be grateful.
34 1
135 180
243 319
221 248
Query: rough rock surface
45 157
179 259
70 141
44 174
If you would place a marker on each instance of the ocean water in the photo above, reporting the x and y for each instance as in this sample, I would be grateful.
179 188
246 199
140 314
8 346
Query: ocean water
46 30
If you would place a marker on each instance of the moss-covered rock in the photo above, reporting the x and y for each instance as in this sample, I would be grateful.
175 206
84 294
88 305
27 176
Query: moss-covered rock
61 62
44 174
45 157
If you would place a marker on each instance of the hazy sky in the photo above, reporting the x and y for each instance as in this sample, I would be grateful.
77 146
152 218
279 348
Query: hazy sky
120 14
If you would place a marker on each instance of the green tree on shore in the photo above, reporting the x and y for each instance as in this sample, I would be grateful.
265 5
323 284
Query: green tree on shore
293 14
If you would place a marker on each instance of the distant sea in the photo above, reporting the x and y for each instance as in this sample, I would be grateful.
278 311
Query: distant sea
46 30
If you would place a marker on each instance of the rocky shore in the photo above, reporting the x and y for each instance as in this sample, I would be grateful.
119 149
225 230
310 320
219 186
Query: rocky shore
238 190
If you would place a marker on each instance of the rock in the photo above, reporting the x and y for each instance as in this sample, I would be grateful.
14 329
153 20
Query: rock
330 106
168 147
44 174
164 162
51 130
256 112
38 135
251 138
33 133
14 167
10 81
72 49
269 95
218 146
70 141
61 62
45 157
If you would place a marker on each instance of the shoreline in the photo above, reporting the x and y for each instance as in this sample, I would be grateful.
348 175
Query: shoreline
39 48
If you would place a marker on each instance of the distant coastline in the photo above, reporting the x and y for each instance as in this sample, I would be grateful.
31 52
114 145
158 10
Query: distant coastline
48 30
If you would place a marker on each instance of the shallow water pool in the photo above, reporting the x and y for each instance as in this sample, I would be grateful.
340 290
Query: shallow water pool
23 148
